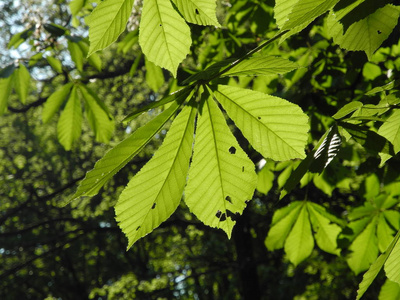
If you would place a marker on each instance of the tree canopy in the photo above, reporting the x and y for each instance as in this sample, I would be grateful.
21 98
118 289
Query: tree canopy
184 149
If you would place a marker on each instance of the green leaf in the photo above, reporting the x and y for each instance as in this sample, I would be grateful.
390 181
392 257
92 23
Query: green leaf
390 291
390 130
221 176
364 248
155 192
122 153
200 12
99 119
265 179
305 11
392 266
367 34
282 223
19 38
300 242
181 93
75 6
282 10
107 21
275 127
262 65
374 269
54 29
70 123
54 63
54 102
22 82
6 85
326 233
163 35
154 75
347 109
384 233
386 87
76 54
94 58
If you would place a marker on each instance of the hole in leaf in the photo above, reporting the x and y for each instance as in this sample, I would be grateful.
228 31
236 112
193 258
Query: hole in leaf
154 206
242 168
197 11
259 118
160 25
232 150
227 198
223 217
233 216
379 32
218 214
137 228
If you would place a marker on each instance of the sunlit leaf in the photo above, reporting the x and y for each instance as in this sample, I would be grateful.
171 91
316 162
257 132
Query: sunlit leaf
201 12
300 242
275 127
54 102
76 54
154 75
221 176
282 223
364 248
22 82
375 268
121 154
54 63
390 129
390 291
326 233
154 193
99 120
262 65
366 34
347 109
107 21
70 123
392 265
6 85
164 36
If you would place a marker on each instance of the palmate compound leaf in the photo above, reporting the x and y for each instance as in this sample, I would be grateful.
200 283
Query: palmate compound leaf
391 130
221 177
107 22
291 230
275 127
6 85
392 265
69 124
262 65
367 34
375 268
122 153
200 12
154 193
164 35
389 291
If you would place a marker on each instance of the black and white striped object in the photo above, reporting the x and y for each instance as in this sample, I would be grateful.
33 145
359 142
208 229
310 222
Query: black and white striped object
326 151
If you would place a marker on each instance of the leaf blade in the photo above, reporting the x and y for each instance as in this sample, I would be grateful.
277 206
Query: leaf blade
155 192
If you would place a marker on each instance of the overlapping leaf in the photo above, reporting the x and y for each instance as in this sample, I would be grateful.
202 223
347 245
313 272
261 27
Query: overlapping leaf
391 130
164 36
262 65
121 154
70 123
367 34
100 121
375 268
221 176
107 22
22 81
201 12
54 102
6 85
275 127
154 193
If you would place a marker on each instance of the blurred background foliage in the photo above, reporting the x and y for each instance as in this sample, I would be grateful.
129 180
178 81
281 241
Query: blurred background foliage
50 251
